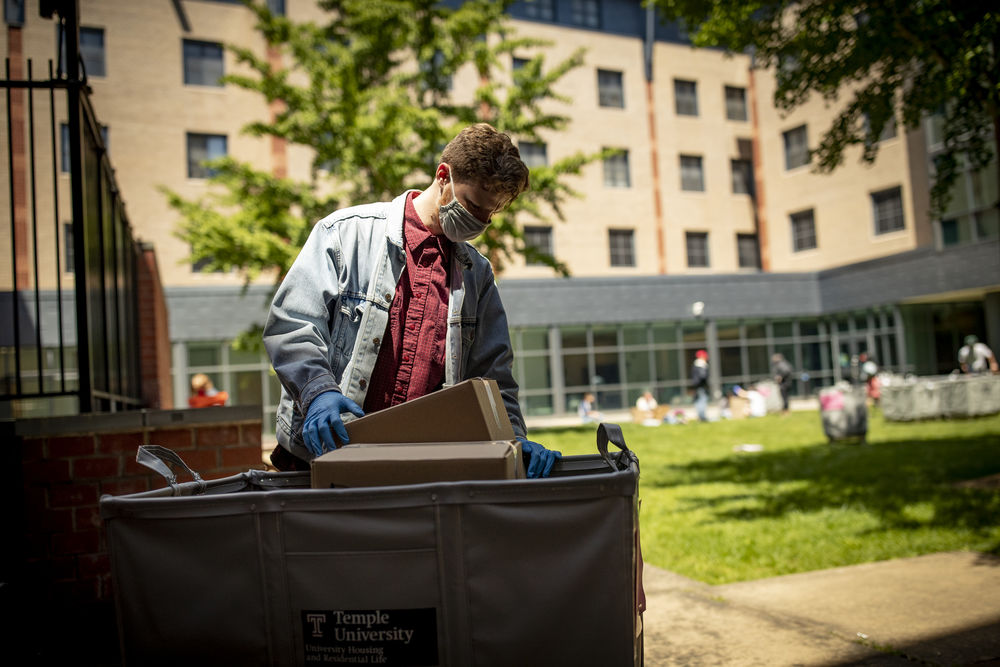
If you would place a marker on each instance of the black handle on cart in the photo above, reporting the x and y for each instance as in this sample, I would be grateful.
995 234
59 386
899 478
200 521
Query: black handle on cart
156 458
613 433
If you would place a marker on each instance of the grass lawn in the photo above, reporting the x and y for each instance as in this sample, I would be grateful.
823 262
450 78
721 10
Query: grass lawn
719 516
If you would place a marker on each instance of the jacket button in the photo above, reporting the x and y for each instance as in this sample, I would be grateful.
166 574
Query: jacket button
376 341
388 297
363 383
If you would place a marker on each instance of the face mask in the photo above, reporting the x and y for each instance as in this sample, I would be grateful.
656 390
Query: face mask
456 221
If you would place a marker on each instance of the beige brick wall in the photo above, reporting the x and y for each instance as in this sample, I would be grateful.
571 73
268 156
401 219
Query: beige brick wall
149 109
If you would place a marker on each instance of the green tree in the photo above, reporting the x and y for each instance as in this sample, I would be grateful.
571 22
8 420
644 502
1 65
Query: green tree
368 91
893 60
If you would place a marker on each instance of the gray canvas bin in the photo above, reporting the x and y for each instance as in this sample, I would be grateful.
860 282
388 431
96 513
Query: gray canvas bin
259 569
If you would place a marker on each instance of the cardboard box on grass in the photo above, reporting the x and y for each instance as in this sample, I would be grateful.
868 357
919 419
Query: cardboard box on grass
457 433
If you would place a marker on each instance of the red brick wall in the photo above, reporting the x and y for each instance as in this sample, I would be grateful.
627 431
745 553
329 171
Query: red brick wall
154 332
65 474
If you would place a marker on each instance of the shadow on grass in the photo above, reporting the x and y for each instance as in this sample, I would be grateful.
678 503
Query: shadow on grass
887 479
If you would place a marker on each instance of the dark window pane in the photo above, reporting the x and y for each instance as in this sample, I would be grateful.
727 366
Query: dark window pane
203 64
888 210
729 362
616 173
736 103
803 231
692 174
796 147
610 90
697 249
685 97
573 337
622 246
92 51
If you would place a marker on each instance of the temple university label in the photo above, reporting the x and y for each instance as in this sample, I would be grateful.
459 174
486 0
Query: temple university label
370 636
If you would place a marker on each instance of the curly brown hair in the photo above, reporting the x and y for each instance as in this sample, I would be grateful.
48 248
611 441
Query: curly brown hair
489 158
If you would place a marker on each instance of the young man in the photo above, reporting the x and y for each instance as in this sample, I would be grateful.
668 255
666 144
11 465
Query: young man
386 302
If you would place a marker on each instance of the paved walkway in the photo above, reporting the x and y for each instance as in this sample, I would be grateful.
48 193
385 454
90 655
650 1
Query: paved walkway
940 609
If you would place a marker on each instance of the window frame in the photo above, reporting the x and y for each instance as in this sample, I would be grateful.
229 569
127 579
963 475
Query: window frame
94 52
188 60
878 221
195 170
744 168
686 170
686 103
741 255
541 233
795 220
610 94
800 160
613 171
702 237
538 149
585 13
621 248
730 101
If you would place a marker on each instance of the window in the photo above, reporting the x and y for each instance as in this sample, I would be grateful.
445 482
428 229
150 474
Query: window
276 7
736 103
620 241
692 174
586 13
543 10
539 238
887 206
746 249
203 147
610 92
888 130
69 265
92 51
616 170
803 231
697 249
13 13
202 63
796 147
64 148
685 97
518 63
533 153
742 177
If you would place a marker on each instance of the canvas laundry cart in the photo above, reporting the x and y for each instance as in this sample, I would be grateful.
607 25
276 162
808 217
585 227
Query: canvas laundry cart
259 569
844 412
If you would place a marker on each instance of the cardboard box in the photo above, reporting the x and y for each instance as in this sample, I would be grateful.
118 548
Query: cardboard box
469 411
388 464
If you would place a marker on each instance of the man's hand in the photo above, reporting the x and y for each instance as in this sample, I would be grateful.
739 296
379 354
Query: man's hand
539 461
324 415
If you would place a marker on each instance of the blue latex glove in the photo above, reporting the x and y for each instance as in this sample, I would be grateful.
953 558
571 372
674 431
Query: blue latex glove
539 460
324 415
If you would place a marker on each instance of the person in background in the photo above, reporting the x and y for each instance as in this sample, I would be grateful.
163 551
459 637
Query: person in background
977 357
699 382
587 411
646 404
781 371
204 394
387 302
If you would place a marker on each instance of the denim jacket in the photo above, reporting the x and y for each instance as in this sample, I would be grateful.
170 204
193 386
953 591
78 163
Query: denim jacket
330 313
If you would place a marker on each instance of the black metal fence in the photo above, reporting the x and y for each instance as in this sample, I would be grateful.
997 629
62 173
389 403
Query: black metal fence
69 340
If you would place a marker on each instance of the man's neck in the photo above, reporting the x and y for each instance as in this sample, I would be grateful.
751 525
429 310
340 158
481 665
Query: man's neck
425 204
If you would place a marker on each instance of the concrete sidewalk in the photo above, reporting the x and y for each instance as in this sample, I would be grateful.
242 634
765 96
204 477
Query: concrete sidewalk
940 609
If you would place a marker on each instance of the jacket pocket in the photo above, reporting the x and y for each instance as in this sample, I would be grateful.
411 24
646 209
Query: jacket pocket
346 324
